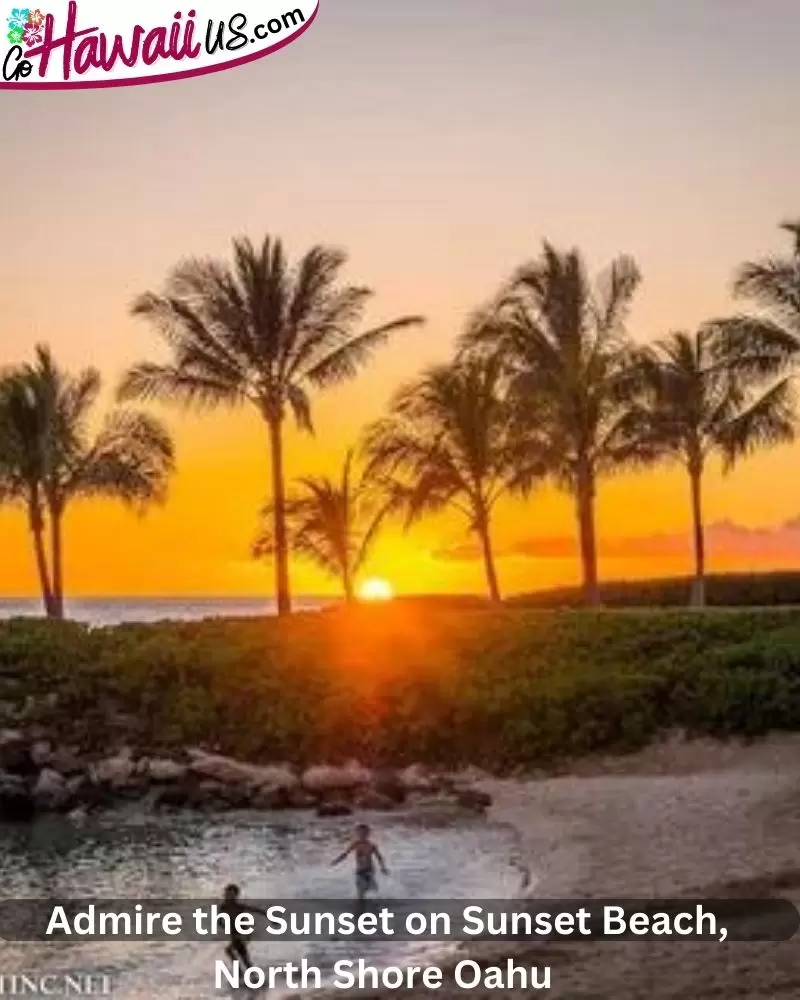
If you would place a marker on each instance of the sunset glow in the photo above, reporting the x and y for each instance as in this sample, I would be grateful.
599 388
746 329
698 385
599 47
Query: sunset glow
399 192
376 589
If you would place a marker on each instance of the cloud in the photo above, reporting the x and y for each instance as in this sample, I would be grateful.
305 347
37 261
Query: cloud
724 540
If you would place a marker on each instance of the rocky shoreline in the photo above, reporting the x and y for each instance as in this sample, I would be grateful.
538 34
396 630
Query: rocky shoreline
39 776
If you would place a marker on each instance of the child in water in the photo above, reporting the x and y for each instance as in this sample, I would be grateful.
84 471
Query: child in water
236 950
366 854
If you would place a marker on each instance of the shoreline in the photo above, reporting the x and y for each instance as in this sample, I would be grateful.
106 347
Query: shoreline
680 819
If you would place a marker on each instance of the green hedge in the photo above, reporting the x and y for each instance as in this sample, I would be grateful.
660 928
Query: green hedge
725 590
399 684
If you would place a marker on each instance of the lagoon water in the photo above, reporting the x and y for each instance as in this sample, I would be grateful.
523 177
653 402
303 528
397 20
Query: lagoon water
132 856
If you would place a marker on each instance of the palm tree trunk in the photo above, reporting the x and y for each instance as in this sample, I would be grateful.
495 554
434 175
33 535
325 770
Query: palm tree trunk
282 591
698 594
36 522
56 562
488 559
584 498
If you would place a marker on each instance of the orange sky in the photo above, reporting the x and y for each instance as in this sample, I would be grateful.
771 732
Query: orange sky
440 145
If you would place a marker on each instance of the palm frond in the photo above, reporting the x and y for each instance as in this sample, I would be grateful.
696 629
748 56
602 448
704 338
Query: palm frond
612 300
768 421
148 381
131 459
344 361
300 405
752 347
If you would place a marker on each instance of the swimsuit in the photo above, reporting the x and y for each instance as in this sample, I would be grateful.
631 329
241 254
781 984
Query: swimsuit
365 875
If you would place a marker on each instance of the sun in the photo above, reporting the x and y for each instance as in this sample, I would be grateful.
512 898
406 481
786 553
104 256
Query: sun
376 589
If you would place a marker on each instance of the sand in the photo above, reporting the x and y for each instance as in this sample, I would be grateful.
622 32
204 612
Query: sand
681 819
694 819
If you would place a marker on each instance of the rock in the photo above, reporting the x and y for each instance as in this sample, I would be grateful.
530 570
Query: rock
325 778
192 792
416 778
51 790
172 797
300 798
207 795
41 751
8 710
76 784
228 771
474 799
16 801
78 815
388 785
332 808
65 761
163 770
270 798
472 776
15 757
371 798
115 772
215 795
92 796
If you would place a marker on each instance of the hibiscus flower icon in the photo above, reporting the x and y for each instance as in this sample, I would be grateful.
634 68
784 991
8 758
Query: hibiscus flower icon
32 34
35 18
19 18
15 36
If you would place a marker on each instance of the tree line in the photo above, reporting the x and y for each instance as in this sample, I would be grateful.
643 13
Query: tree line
545 384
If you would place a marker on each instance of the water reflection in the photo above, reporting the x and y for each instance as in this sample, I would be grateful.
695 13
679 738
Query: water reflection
133 856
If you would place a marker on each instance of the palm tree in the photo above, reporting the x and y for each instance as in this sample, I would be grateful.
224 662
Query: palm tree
261 332
769 339
21 468
702 394
774 284
567 354
49 458
333 524
450 440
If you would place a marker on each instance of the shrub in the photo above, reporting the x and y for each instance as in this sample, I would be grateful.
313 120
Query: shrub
397 684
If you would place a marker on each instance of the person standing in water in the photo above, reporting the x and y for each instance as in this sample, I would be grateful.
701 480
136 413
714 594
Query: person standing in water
366 853
236 949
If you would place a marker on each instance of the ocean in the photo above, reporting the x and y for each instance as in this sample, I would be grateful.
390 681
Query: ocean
99 611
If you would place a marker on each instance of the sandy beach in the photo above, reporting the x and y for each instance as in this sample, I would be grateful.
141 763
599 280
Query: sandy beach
698 819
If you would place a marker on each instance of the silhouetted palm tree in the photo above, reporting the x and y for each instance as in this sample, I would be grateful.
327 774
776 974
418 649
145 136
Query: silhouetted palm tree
566 351
49 458
450 441
333 524
21 468
774 283
702 395
769 338
258 331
